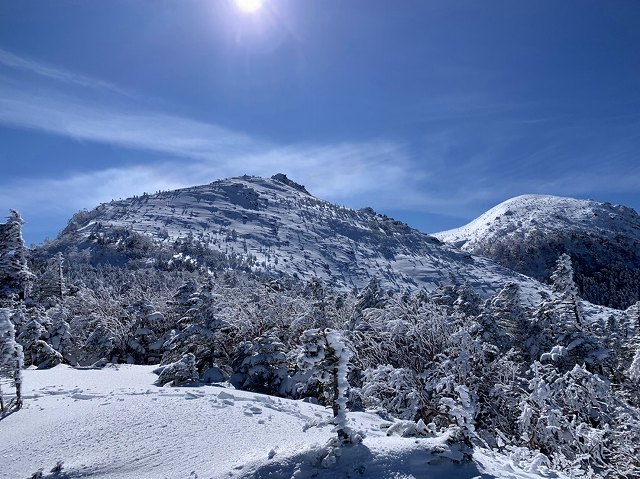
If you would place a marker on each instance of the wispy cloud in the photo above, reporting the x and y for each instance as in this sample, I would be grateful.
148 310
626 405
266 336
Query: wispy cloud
382 173
346 173
198 152
452 172
29 65
126 127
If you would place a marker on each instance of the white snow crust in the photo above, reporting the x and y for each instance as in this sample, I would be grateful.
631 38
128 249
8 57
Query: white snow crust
114 423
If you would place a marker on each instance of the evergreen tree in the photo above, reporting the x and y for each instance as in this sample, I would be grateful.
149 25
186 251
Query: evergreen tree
11 358
15 277
504 320
51 283
260 365
562 277
203 331
181 373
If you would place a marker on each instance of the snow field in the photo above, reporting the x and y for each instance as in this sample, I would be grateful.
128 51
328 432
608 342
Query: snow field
113 423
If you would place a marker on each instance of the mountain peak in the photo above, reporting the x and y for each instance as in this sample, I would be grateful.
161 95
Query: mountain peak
282 178
273 225
528 233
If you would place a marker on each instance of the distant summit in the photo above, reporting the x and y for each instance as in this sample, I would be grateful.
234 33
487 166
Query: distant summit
528 233
282 178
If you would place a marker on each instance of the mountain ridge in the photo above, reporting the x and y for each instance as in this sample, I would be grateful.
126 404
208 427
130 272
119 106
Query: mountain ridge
275 225
528 233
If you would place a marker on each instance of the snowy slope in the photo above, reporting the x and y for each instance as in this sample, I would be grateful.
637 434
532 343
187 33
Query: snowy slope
528 233
276 226
113 423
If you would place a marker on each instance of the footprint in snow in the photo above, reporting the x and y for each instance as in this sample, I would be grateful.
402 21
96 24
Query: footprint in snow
190 395
84 397
252 410
227 398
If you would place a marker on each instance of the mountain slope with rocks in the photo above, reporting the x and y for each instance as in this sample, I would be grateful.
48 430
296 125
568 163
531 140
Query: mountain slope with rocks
276 226
528 233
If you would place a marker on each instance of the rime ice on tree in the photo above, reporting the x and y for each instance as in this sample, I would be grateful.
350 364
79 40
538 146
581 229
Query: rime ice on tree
11 358
326 355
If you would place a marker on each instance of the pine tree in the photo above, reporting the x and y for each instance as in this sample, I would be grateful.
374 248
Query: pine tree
504 320
180 373
372 296
202 331
260 365
51 283
15 277
11 357
562 277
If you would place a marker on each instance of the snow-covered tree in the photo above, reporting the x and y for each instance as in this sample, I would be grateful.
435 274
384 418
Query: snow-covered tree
11 358
30 333
260 365
371 296
52 283
634 370
203 331
181 373
183 299
504 320
147 333
569 417
107 339
15 276
60 334
44 356
326 355
562 277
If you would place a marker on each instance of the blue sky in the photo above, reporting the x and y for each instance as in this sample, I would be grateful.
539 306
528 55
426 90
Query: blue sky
428 111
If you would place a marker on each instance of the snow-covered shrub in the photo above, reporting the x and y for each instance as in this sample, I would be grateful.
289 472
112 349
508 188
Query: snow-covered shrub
44 356
461 408
408 428
394 390
568 417
180 373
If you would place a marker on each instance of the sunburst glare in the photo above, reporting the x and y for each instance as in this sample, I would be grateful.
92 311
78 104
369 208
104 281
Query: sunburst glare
249 6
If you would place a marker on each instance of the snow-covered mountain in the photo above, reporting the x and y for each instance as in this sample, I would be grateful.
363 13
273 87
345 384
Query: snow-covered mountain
275 226
528 233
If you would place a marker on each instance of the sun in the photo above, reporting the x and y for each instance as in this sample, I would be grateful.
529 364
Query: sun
249 6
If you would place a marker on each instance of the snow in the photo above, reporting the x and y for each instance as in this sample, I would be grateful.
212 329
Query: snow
525 213
114 423
278 227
